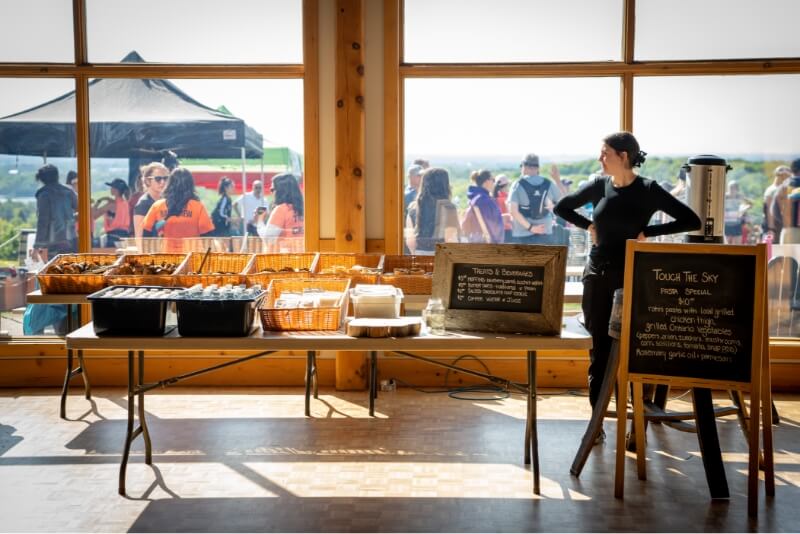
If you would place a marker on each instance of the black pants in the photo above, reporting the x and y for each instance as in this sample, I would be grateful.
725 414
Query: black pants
599 284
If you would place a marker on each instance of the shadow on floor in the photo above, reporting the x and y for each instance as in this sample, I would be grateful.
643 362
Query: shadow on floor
604 513
7 438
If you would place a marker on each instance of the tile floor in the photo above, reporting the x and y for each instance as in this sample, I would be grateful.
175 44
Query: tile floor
246 459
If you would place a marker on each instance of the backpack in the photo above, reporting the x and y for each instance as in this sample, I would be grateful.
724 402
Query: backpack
218 217
473 226
537 194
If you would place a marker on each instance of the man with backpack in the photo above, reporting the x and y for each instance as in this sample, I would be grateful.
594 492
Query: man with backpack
531 204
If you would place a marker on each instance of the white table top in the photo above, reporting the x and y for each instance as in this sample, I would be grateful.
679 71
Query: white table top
573 337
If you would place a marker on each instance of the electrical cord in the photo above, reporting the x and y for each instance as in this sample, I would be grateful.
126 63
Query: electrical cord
477 392
499 392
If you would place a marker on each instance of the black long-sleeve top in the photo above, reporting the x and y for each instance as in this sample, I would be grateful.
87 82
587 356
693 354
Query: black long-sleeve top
621 213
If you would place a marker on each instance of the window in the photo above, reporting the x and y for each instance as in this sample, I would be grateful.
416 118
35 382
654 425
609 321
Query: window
27 143
716 29
36 31
748 120
511 31
195 31
467 125
243 133
266 39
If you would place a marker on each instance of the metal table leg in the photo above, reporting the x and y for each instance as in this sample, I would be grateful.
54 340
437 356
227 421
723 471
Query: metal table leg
129 435
373 379
314 375
309 379
531 423
72 373
87 387
148 448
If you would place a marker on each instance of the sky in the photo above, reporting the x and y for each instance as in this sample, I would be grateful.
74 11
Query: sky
560 117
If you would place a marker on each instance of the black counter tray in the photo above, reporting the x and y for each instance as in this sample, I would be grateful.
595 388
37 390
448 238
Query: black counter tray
224 318
114 316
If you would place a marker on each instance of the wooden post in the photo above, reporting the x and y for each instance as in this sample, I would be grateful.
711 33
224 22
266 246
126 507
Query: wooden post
392 126
311 169
350 126
350 159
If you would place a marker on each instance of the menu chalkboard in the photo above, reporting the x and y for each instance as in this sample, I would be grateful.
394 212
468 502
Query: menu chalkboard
501 288
512 288
695 315
692 315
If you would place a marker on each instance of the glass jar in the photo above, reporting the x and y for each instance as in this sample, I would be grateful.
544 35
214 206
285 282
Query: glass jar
434 316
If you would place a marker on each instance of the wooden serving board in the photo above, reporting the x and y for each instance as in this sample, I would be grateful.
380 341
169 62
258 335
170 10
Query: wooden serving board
402 327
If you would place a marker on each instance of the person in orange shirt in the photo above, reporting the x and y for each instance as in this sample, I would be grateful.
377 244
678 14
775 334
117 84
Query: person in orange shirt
284 230
179 213
115 212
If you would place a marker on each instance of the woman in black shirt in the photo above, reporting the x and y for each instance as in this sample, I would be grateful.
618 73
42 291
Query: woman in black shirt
624 204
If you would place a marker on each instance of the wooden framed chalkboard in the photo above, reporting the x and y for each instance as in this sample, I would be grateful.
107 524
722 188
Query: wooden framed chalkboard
692 316
695 315
501 288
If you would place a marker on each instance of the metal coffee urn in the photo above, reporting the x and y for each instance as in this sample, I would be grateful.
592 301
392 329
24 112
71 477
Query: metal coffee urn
705 194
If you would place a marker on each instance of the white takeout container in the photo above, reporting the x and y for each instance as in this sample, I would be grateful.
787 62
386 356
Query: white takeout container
376 301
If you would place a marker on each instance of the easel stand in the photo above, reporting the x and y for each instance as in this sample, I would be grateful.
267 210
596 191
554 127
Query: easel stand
696 316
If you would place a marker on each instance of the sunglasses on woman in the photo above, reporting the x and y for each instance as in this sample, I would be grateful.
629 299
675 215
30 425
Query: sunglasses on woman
160 179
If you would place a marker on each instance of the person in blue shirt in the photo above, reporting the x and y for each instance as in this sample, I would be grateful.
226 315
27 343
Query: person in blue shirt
531 202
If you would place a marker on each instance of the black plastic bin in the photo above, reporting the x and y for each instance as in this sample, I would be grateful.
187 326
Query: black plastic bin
120 316
224 318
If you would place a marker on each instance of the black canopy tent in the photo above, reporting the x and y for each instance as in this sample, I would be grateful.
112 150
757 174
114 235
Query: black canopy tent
130 118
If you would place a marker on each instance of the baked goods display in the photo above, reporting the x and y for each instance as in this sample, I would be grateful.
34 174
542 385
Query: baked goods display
135 267
80 267
355 269
286 269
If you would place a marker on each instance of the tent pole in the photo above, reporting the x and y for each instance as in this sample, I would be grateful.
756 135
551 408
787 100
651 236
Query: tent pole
244 174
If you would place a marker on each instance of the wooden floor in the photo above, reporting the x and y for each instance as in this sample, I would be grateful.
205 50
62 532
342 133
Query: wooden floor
246 459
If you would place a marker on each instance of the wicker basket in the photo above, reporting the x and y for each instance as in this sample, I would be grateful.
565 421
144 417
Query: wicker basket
339 265
175 245
411 283
322 318
276 262
113 278
217 262
74 283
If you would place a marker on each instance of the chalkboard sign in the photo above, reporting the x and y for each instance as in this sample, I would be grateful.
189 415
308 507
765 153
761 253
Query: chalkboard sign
695 315
692 315
516 288
501 288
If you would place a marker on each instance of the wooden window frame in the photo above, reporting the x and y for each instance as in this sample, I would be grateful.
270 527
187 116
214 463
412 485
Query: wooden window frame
81 72
396 71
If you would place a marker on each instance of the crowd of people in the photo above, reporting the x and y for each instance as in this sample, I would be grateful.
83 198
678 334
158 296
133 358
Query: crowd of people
498 210
164 204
